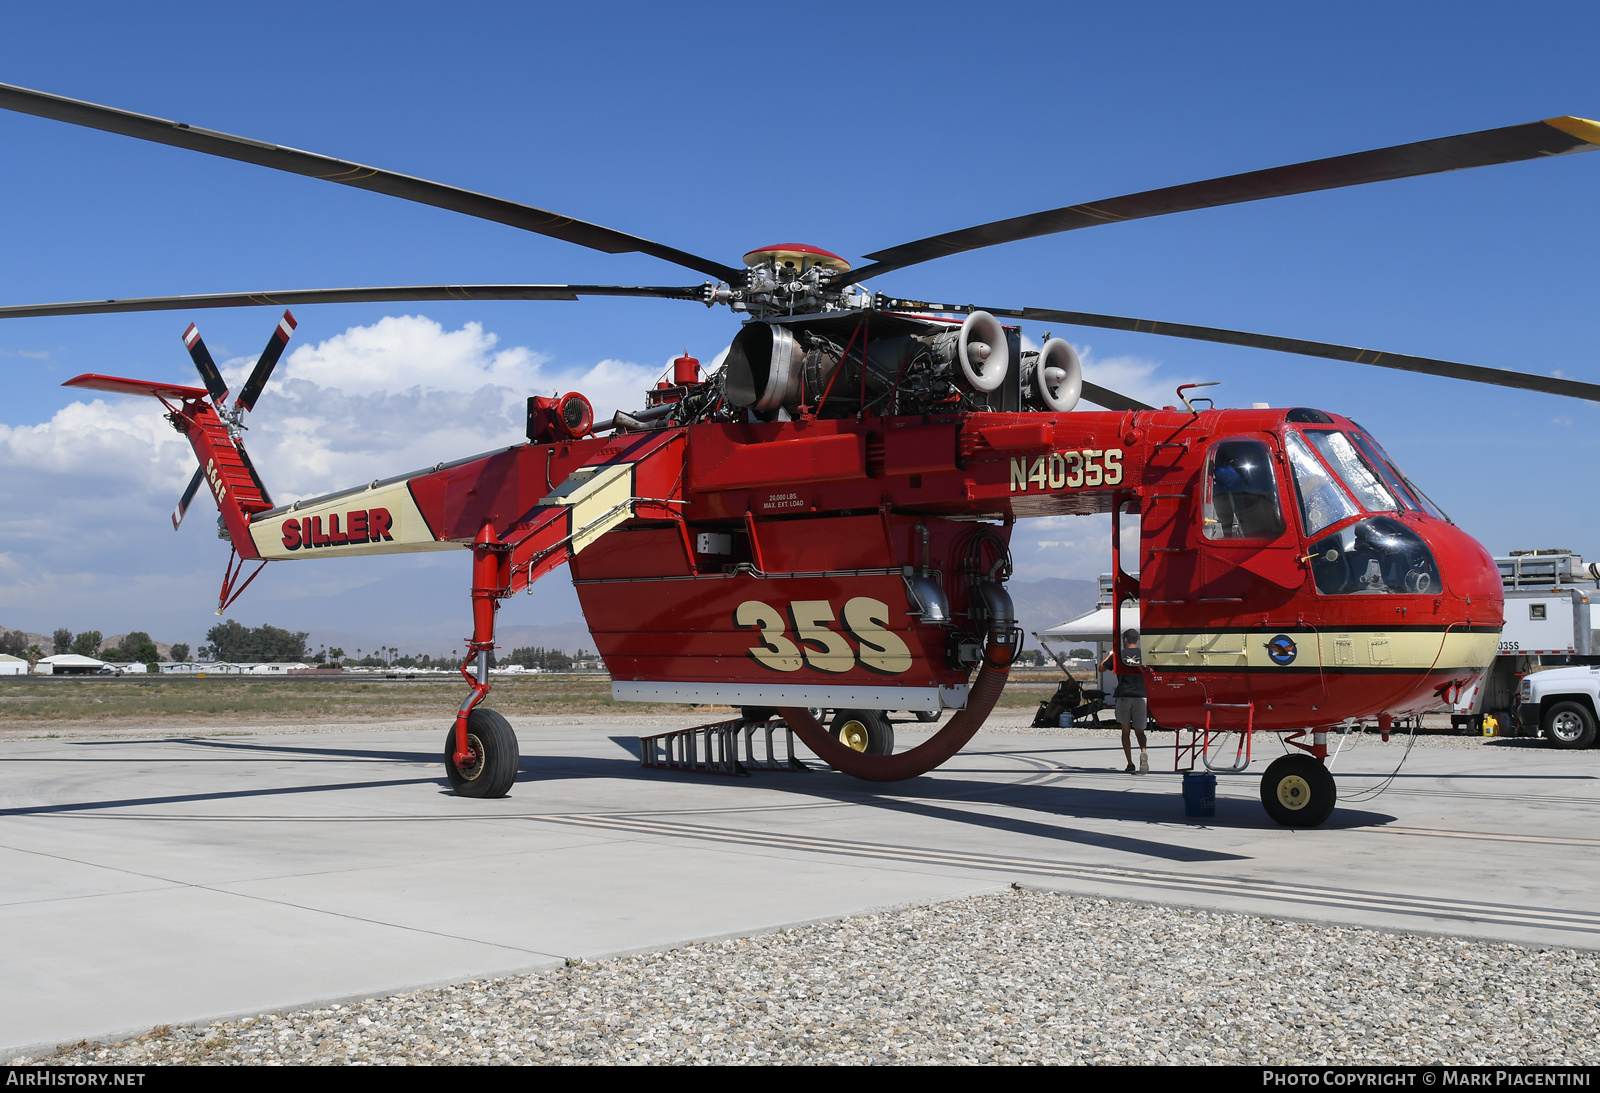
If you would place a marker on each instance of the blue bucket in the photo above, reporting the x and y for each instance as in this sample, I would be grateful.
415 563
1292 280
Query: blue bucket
1199 794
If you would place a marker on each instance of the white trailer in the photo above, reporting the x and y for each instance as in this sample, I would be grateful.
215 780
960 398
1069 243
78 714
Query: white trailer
1548 622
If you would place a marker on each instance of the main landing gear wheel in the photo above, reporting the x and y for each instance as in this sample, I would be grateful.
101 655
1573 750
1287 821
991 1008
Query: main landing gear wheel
1569 725
865 731
494 754
1298 791
927 717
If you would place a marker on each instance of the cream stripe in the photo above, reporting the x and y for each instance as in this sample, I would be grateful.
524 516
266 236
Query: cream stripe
1327 649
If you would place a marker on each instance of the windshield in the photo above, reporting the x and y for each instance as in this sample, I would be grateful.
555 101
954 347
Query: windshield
1402 486
1322 502
1351 466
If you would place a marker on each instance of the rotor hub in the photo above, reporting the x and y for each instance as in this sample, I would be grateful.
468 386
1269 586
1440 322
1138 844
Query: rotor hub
795 279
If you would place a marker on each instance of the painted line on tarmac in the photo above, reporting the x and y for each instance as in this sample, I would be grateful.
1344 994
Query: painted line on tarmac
1490 836
1309 896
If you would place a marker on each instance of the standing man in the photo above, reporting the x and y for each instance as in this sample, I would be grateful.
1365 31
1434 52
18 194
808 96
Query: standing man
1129 695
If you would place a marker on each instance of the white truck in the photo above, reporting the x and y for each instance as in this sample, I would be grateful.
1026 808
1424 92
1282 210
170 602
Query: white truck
1562 702
1549 625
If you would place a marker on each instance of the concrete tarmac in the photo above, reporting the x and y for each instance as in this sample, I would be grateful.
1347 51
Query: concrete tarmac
177 880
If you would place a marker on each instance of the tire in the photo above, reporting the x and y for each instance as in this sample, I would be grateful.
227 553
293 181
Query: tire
927 717
1569 725
866 731
491 739
1298 791
757 715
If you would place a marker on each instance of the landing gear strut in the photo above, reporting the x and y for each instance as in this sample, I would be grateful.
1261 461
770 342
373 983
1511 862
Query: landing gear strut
480 751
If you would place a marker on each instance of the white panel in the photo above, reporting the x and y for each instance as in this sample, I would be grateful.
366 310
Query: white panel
408 531
931 699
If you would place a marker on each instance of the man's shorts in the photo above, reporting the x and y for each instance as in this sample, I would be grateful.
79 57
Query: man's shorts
1131 713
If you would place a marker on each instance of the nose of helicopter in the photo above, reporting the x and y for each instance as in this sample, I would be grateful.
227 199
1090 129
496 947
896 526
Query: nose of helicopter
1470 573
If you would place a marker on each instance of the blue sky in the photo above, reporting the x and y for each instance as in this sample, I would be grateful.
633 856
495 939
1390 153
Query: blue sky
720 128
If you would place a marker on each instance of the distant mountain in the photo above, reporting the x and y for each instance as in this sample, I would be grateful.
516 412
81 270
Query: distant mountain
1039 604
46 643
1042 604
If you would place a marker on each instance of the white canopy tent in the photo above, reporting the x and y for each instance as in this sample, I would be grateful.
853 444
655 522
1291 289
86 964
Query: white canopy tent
1094 628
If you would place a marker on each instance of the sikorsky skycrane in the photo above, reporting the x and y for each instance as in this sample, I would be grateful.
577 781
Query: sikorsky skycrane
823 523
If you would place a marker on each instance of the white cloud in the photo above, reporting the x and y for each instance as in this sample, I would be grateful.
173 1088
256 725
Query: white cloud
405 393
124 441
1136 377
86 494
1077 547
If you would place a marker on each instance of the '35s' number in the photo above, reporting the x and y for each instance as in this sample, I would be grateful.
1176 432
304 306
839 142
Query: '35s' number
825 649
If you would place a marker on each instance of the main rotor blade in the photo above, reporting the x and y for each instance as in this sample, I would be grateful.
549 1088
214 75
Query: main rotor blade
1501 377
1551 137
188 496
346 173
266 362
398 293
1111 400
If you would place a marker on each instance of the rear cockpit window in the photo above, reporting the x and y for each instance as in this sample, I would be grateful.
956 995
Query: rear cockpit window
1242 492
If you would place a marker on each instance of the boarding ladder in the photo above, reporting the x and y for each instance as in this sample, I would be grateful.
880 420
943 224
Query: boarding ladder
723 747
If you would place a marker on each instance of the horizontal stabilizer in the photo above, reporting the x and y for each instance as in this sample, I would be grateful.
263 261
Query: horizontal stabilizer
120 386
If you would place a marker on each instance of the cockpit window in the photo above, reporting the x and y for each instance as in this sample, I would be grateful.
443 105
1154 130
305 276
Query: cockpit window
1351 466
1403 487
1322 502
1376 555
1242 492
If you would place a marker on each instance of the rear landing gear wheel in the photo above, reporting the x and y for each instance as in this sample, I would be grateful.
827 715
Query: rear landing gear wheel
927 717
494 754
866 731
1298 791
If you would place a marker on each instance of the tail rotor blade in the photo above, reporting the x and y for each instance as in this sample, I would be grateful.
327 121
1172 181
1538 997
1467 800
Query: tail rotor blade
208 367
188 496
268 361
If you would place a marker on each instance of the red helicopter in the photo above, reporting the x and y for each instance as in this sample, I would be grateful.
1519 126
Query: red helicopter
824 522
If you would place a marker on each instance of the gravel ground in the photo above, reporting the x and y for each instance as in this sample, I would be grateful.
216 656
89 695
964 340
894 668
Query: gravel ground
1019 976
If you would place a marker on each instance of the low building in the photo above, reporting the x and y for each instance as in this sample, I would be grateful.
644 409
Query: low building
71 664
12 666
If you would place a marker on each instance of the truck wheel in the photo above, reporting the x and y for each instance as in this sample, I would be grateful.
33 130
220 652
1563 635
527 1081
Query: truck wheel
1298 791
1569 725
